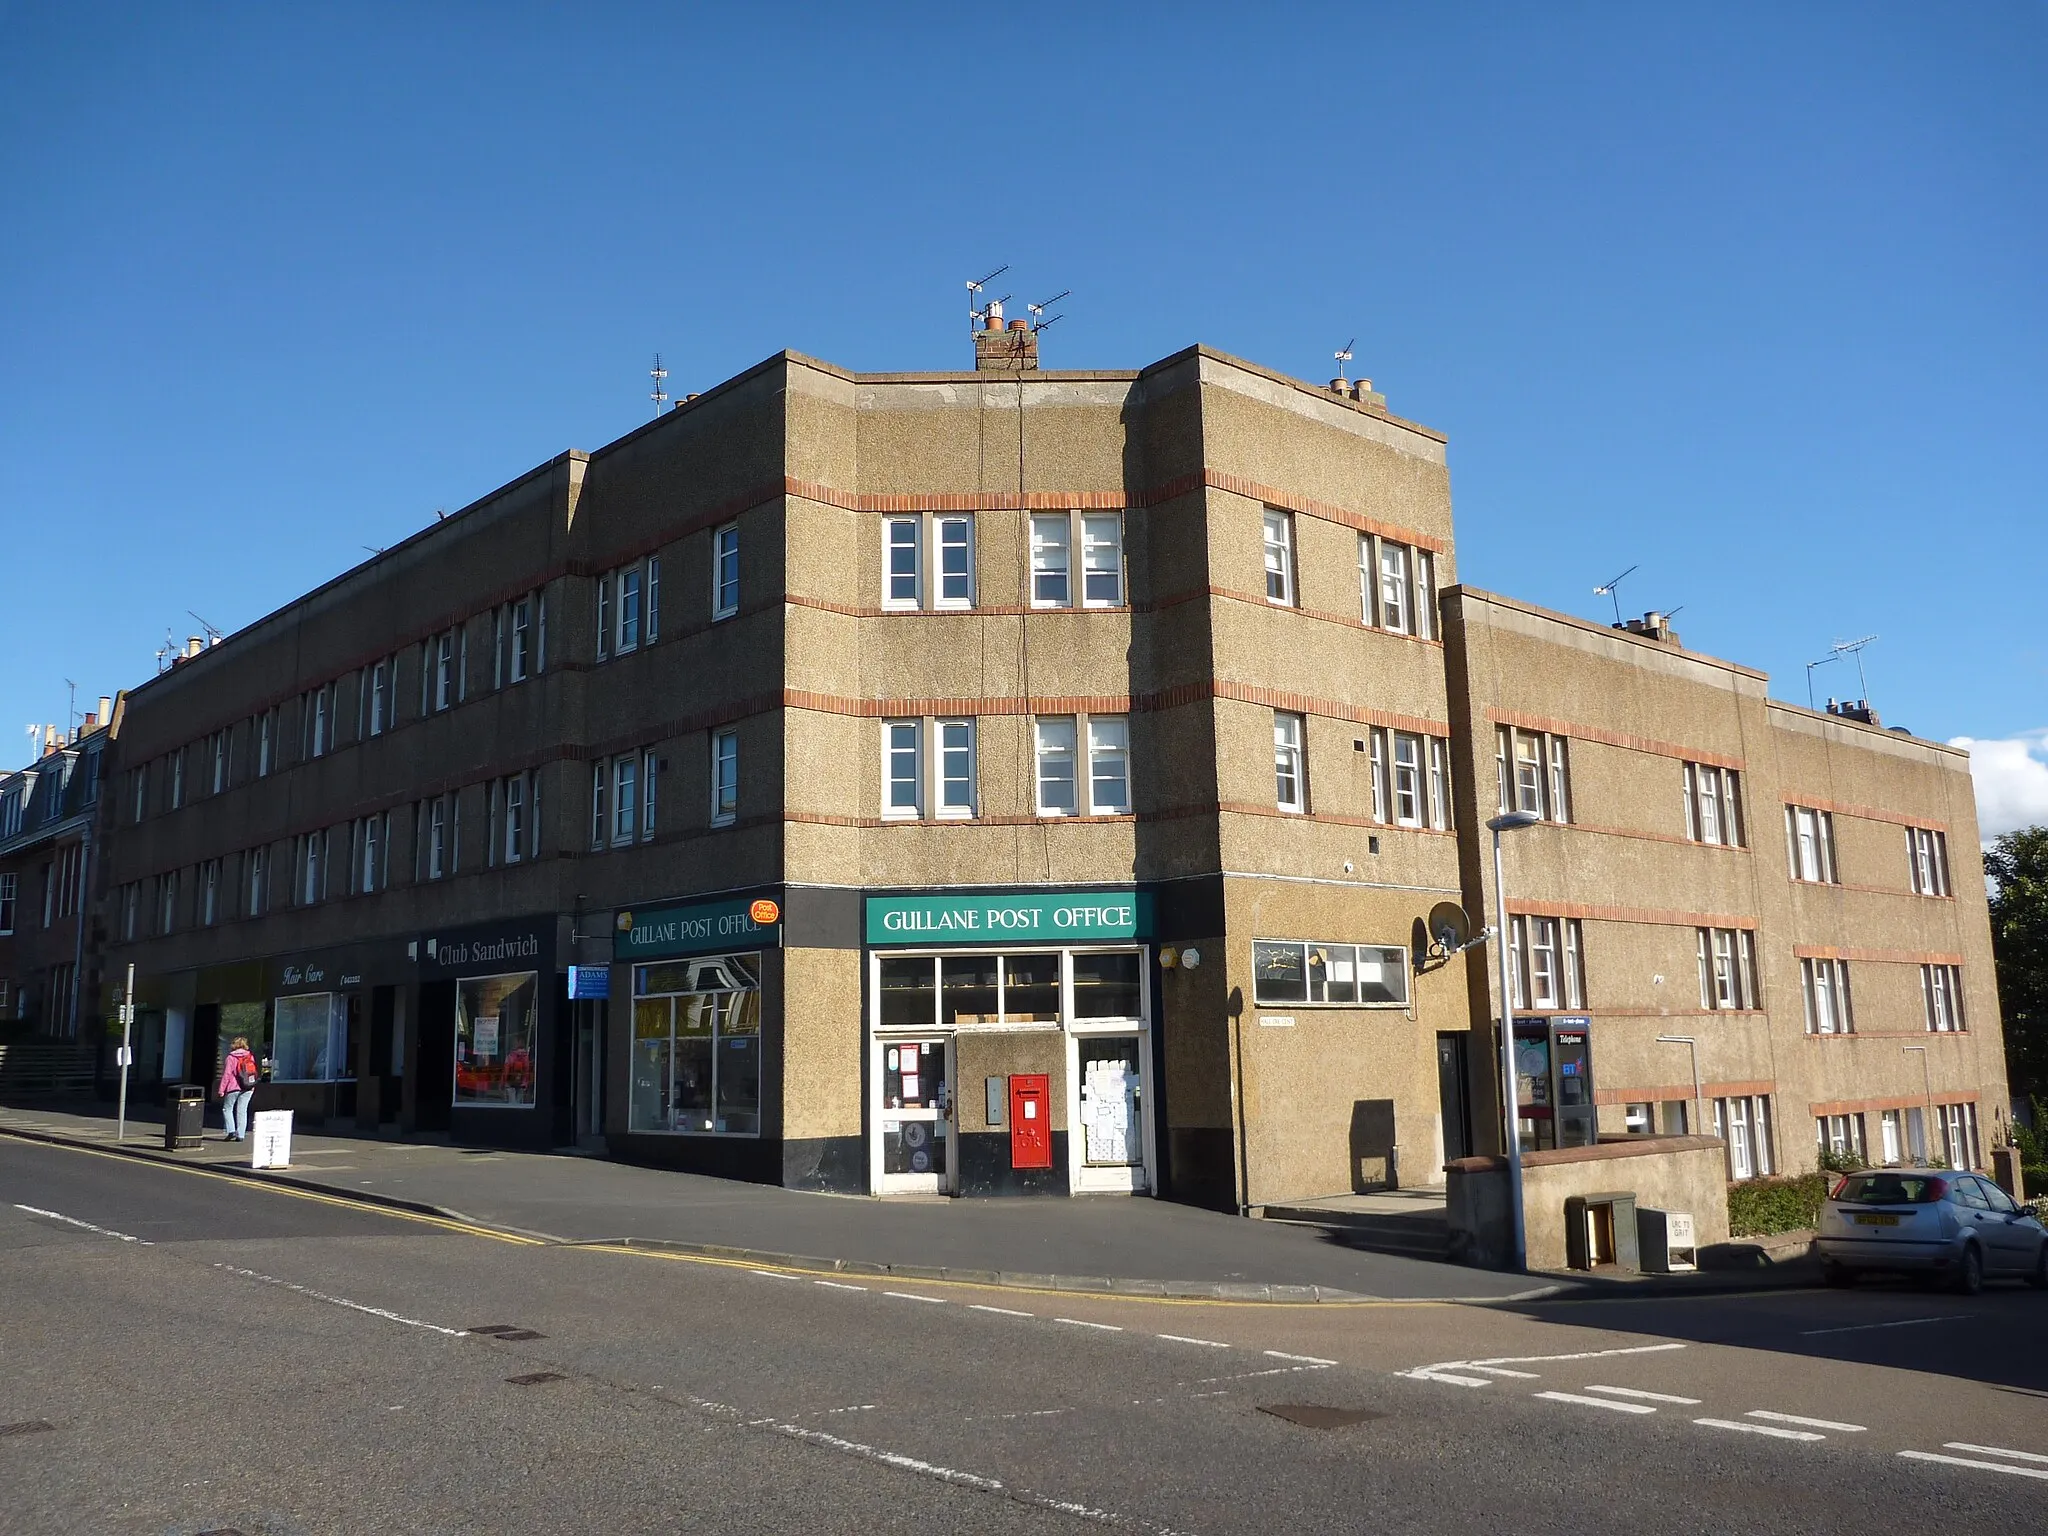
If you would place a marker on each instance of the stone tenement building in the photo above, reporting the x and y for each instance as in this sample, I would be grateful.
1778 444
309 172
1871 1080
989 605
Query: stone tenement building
1021 780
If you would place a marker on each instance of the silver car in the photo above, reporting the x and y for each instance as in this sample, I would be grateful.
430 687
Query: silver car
1956 1225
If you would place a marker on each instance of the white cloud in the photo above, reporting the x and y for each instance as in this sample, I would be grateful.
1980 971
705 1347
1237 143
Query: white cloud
2012 781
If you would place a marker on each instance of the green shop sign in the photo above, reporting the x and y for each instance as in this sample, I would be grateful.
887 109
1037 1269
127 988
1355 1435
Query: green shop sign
697 928
1064 917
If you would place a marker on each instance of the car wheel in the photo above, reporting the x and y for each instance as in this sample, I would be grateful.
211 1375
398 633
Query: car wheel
1835 1274
1970 1271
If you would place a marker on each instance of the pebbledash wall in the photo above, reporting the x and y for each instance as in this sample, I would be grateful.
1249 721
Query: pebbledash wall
1013 781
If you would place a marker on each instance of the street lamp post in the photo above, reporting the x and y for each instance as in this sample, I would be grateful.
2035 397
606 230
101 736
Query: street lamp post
1511 1132
1699 1103
1927 1087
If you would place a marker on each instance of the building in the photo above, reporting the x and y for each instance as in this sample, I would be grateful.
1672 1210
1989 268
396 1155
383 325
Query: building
986 782
1799 895
52 859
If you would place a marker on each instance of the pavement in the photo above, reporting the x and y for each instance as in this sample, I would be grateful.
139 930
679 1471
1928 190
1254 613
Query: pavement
191 1355
1113 1245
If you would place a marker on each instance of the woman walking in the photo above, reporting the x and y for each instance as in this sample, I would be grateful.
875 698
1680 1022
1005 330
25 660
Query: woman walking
237 1085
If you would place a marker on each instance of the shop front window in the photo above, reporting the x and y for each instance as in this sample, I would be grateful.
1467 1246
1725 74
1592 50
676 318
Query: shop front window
965 990
496 1040
697 1047
1106 985
309 1039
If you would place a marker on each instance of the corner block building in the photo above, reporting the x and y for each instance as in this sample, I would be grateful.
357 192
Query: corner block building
1027 781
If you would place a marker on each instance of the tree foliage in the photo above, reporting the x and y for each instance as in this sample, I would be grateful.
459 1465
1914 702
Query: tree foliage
2017 864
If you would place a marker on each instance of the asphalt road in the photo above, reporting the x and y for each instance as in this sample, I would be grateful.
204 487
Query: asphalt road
181 1353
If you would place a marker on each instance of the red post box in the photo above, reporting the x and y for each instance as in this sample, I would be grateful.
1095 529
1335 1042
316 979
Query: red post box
1030 1120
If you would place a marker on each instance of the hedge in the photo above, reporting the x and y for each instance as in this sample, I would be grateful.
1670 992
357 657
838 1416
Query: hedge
1759 1207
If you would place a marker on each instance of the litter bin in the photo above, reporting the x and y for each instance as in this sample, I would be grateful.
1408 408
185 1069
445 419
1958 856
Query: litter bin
184 1116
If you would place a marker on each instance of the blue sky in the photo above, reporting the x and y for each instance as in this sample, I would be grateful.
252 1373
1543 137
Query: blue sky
1750 297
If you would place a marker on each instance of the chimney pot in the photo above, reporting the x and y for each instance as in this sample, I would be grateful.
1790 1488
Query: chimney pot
193 645
106 707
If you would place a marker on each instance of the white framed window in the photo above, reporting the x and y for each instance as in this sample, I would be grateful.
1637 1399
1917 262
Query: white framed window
625 799
498 625
725 572
600 801
1312 971
10 885
1381 786
1425 595
1892 1143
131 907
1064 787
177 778
522 639
166 902
902 562
1713 805
1394 590
604 616
650 777
444 670
1825 984
1109 764
218 743
1439 783
1533 771
540 632
1058 788
1941 990
627 635
1745 1125
1051 560
380 697
650 623
956 776
209 893
1290 767
1546 962
1280 557
437 837
725 777
1102 559
1957 1126
1927 858
373 837
313 851
257 864
1410 807
1810 844
1727 961
514 819
903 769
953 561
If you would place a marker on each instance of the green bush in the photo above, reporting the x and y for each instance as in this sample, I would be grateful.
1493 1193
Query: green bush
1759 1207
1839 1162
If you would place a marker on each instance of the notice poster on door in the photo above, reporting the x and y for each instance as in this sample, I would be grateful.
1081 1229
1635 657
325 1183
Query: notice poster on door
484 1034
1106 1093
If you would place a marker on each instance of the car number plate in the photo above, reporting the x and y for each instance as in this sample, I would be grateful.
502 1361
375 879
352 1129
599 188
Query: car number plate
1873 1219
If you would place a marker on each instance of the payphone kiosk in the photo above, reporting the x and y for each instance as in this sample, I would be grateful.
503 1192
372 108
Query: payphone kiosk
1554 1083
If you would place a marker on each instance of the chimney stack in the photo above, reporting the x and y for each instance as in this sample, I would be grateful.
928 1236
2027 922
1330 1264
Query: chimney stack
1005 348
193 645
106 709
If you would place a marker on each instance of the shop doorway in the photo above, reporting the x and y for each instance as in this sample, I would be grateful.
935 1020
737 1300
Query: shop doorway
589 1068
913 1149
434 1057
1109 1091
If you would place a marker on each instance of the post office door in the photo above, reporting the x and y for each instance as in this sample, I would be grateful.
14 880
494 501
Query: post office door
1030 1120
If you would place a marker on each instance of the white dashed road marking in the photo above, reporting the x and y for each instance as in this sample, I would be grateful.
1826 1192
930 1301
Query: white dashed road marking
1993 1450
1910 1322
86 1226
937 1301
1760 1429
1181 1338
1076 1322
1647 1397
1985 1466
1596 1402
999 1311
1280 1354
1793 1418
769 1274
1501 1370
1457 1373
342 1301
838 1285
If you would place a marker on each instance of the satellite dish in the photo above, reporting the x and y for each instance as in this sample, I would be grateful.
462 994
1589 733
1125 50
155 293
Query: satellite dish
1449 927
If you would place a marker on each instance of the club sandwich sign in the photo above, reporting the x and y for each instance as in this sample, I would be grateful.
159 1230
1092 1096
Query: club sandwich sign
1063 917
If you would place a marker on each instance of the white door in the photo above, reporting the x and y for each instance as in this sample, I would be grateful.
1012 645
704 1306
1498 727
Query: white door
1109 1110
913 1119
